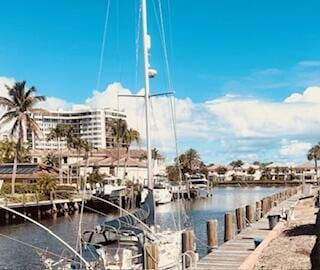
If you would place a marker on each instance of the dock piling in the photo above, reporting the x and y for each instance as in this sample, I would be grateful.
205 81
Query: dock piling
188 254
240 219
250 213
258 210
212 234
151 257
229 226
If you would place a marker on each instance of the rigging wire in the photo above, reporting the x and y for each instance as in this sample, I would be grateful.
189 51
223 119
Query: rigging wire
160 23
137 42
103 44
164 45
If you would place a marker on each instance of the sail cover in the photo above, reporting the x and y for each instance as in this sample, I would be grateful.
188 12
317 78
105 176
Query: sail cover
127 223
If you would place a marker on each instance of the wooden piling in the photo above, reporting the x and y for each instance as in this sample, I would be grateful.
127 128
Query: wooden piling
151 259
212 234
228 226
240 219
250 213
188 253
258 210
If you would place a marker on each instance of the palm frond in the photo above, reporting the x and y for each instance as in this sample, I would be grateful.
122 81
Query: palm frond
6 102
7 116
30 91
33 126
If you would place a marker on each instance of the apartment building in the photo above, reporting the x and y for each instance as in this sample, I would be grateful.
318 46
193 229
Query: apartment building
91 124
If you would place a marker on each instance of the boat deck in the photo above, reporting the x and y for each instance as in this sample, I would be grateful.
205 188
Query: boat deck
233 253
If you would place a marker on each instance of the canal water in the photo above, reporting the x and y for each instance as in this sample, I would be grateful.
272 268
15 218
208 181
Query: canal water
195 213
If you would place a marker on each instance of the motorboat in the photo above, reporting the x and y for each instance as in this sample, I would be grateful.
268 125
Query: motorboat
197 185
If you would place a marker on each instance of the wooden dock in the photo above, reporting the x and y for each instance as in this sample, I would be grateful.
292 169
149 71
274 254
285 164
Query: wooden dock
233 253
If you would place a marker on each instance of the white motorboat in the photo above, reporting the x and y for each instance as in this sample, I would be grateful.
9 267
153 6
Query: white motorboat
197 185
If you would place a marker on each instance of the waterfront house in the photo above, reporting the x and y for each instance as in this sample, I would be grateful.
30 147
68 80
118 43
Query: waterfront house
278 171
111 161
27 172
305 171
219 172
224 173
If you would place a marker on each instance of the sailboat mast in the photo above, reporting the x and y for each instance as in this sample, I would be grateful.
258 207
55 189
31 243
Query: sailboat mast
146 47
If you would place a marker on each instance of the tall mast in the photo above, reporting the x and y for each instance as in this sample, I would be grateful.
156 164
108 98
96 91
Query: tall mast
146 47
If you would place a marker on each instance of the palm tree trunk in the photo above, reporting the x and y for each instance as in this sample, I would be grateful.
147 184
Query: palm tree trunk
60 169
125 163
118 161
316 170
14 172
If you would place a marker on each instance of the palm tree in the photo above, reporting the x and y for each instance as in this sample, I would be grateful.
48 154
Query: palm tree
57 134
189 161
314 154
87 147
47 184
19 105
51 160
119 129
237 163
95 176
8 152
130 136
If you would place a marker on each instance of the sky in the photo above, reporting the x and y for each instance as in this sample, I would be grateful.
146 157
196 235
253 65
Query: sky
246 74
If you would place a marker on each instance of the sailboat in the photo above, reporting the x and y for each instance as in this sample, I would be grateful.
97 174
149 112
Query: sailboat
121 243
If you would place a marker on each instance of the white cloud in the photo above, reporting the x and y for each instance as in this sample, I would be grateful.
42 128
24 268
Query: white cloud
294 148
232 126
310 95
54 104
257 118
189 118
3 82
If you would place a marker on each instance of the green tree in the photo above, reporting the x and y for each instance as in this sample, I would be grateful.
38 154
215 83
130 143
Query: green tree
237 163
51 160
314 154
119 129
173 173
8 152
131 135
58 133
189 161
221 170
95 176
47 184
19 106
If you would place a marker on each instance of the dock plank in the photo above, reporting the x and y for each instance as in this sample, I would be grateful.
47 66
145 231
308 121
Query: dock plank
233 253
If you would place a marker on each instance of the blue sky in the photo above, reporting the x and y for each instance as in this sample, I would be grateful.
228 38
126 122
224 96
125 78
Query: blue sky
246 50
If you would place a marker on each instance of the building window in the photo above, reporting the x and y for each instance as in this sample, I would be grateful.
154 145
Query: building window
65 160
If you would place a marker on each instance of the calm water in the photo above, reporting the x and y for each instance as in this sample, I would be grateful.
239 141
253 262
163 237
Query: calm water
14 255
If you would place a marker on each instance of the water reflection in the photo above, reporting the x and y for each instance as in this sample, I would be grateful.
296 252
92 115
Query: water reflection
16 256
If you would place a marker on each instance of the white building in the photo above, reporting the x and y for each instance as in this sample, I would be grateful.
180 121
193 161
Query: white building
305 171
278 171
91 124
223 173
